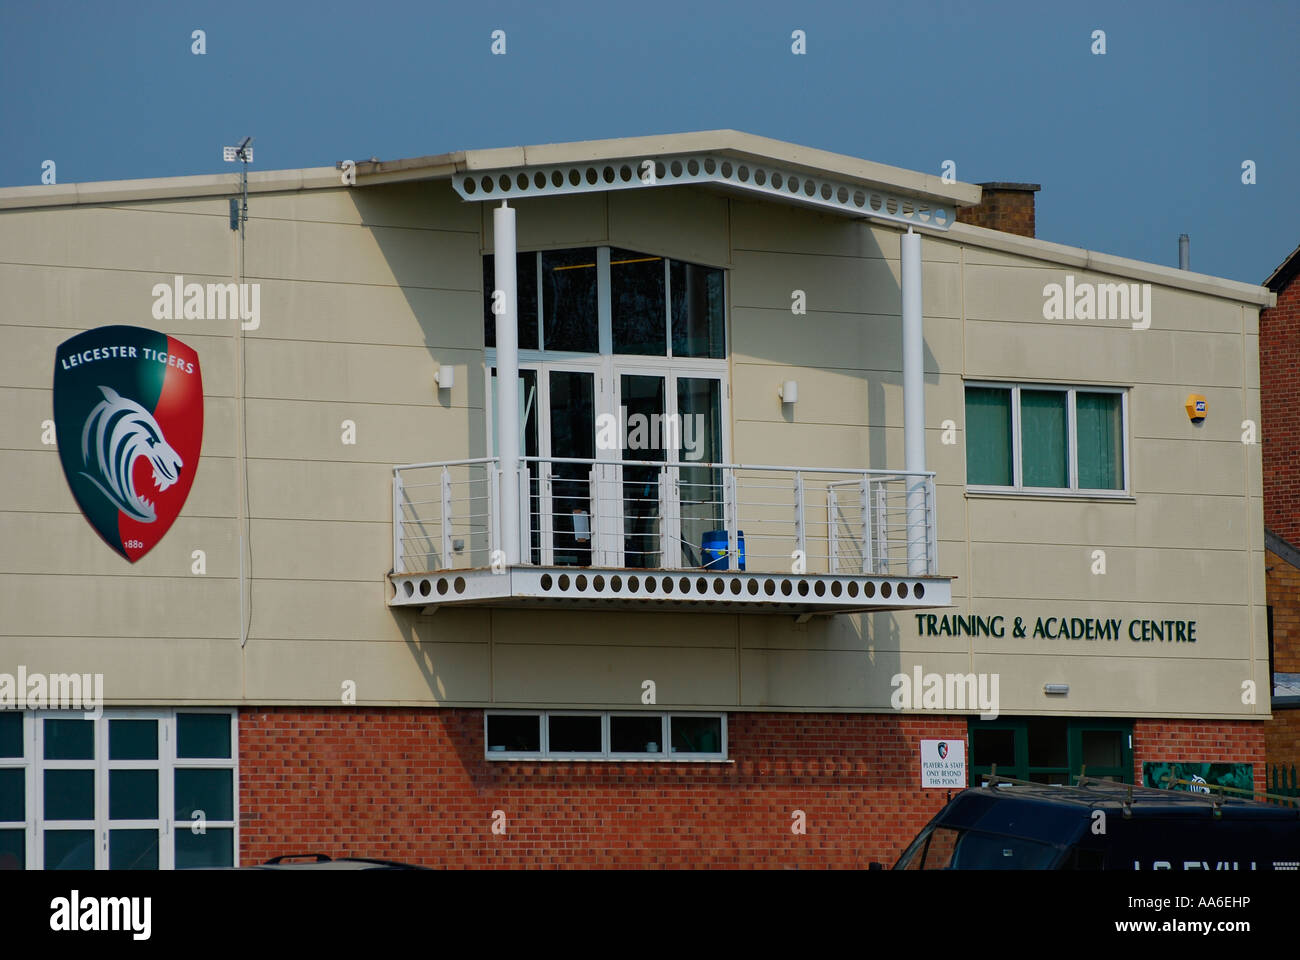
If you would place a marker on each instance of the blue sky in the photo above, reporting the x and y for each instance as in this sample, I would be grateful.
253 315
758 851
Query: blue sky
1132 148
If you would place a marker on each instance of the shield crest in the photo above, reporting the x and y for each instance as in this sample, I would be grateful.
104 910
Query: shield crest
943 750
128 418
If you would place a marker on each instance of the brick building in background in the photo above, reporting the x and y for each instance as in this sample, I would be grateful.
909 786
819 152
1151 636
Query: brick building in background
1279 383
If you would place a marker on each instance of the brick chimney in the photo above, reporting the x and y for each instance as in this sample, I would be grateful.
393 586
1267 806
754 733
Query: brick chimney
1005 206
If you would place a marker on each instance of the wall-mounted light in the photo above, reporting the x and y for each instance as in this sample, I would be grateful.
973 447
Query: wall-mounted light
446 377
789 391
1056 688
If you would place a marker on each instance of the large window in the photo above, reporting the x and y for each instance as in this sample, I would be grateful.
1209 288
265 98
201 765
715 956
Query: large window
129 790
658 307
1042 438
622 356
586 735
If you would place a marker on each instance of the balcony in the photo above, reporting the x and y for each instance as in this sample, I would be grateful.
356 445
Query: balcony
641 535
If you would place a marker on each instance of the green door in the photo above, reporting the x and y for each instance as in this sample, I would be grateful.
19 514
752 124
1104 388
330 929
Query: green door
1056 750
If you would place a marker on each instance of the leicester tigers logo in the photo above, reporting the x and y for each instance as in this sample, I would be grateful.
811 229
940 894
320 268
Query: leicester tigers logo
116 433
128 414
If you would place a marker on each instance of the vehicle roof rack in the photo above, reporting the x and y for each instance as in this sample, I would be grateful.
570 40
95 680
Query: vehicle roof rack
1093 790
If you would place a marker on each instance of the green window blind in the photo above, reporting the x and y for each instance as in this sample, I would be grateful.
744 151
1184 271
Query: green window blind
988 436
1043 438
1101 445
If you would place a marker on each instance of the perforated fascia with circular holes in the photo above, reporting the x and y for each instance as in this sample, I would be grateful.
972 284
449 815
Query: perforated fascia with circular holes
758 177
628 589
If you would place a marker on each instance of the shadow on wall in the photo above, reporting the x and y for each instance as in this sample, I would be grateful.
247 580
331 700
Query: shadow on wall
453 336
459 340
851 245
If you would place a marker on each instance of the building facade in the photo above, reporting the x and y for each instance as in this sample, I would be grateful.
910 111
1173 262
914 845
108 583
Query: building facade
801 477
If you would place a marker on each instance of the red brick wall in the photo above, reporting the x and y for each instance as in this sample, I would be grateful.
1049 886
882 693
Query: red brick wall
1282 583
413 785
1282 737
1204 741
1279 362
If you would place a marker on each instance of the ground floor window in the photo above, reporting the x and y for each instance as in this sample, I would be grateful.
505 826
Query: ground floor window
1053 750
612 735
143 789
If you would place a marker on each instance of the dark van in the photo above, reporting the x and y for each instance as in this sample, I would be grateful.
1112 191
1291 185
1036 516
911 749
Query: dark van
1101 825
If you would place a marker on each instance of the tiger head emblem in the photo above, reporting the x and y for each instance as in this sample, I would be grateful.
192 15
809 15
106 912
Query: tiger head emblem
117 433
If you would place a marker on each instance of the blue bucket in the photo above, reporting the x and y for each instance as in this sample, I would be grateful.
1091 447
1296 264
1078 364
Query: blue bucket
713 549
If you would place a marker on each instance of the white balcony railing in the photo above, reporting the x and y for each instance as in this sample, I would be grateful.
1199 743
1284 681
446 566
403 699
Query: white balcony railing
648 515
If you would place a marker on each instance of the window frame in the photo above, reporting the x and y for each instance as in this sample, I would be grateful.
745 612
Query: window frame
1018 488
607 754
101 824
664 733
608 368
604 311
516 754
978 773
25 763
722 737
177 762
547 750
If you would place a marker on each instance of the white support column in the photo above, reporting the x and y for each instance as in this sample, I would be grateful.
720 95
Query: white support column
507 432
914 402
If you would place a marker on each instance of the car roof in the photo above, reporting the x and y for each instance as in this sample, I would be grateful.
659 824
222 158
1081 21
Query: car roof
318 861
1078 801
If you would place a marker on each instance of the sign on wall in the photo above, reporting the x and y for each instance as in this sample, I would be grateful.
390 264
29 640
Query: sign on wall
943 764
1139 630
128 416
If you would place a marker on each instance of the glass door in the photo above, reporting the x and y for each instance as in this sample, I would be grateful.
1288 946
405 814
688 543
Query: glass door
675 419
68 787
136 831
100 791
567 494
1102 750
529 446
626 342
701 500
643 410
557 416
